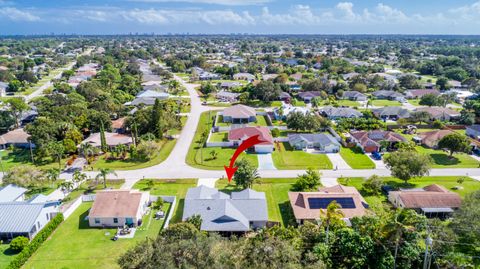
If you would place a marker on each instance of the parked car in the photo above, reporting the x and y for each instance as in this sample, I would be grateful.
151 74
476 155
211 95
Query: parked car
476 152
376 155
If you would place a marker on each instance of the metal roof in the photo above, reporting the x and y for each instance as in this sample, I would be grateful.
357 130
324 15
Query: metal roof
18 217
11 193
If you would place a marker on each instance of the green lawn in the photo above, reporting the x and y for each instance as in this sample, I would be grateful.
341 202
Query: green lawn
385 103
286 158
75 245
261 121
199 156
6 255
219 137
441 159
220 122
22 157
342 102
166 147
470 185
174 187
356 158
414 102
276 191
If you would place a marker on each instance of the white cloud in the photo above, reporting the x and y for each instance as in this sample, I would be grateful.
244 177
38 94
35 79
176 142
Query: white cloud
217 2
346 8
15 14
468 12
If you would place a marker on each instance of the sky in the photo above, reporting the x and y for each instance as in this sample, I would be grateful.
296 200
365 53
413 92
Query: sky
240 16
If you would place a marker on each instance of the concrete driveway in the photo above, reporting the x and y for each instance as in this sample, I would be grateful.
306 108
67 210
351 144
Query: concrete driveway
265 162
337 161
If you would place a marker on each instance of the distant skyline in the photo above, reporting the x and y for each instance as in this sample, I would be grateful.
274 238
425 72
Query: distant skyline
240 16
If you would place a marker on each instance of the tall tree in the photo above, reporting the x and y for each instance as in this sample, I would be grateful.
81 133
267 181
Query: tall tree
103 173
17 106
246 174
455 142
407 164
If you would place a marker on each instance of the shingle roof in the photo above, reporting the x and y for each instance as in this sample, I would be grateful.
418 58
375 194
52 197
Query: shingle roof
10 193
475 127
340 112
372 138
18 217
17 136
391 111
431 138
439 111
239 111
301 205
323 139
222 212
112 139
432 196
116 203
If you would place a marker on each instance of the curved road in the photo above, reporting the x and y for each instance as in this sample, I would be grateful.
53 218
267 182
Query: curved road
175 167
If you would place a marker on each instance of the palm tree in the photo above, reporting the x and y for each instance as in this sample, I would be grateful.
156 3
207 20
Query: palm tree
52 175
66 187
86 149
173 86
403 220
331 215
213 154
103 173
78 177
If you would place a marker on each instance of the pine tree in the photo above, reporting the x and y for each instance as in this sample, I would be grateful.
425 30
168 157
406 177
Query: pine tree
103 140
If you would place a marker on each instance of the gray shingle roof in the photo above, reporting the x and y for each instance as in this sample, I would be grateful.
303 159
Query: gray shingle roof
10 193
340 112
322 139
222 212
391 111
18 217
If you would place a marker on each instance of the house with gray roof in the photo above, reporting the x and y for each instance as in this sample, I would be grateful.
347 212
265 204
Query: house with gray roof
12 193
220 212
473 131
321 142
226 96
391 113
335 113
354 96
20 217
389 95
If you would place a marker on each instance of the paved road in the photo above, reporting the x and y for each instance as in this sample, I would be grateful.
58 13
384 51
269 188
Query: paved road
175 167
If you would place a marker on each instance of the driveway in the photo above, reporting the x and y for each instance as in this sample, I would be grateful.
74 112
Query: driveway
265 162
337 161
379 164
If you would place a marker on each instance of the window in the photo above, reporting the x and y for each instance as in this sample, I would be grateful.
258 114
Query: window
115 220
48 216
97 221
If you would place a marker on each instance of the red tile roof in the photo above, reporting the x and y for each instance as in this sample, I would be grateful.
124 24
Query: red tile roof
432 196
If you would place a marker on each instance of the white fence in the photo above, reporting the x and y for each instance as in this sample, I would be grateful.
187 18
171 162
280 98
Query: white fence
69 211
168 199
280 139
88 198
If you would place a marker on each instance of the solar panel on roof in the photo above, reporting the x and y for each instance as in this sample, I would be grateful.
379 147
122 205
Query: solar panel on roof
317 203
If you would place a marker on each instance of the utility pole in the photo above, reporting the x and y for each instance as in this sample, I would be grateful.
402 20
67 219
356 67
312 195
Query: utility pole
428 246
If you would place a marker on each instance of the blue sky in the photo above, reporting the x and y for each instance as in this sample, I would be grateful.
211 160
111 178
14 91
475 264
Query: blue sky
240 16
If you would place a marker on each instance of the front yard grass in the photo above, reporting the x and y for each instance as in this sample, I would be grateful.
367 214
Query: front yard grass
170 187
356 159
165 150
11 158
441 159
276 191
219 137
385 103
75 245
6 255
286 158
198 156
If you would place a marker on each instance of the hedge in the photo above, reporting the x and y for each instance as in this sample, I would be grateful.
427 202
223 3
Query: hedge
37 241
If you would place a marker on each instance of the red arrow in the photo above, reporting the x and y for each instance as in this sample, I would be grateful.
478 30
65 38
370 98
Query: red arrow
249 142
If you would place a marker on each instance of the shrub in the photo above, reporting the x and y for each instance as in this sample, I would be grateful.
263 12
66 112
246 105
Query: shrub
19 243
373 185
28 251
275 132
438 124
158 204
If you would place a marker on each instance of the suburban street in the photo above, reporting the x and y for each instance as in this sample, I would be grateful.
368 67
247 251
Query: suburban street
174 167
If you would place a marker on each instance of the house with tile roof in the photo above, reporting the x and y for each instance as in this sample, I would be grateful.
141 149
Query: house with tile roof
418 93
371 141
220 212
237 136
307 206
117 208
433 200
